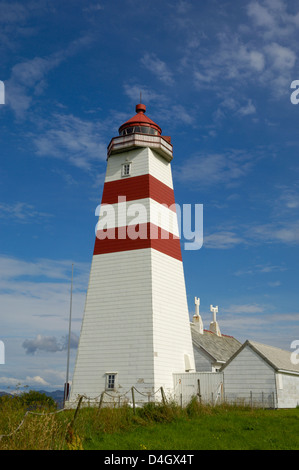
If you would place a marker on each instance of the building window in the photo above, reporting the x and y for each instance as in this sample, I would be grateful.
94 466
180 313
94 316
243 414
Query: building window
126 169
110 381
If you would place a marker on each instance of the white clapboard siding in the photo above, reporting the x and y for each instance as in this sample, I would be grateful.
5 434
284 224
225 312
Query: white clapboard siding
144 161
287 390
202 361
246 373
116 334
205 386
135 323
171 326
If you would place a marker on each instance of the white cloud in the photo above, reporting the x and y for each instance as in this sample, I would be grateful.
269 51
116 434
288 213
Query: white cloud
245 308
260 15
281 57
290 199
230 60
274 283
35 296
2 92
28 77
27 381
215 169
35 310
36 380
278 232
21 212
263 54
49 343
78 141
222 240
260 268
133 90
272 18
286 232
179 114
14 268
249 108
93 8
257 60
13 12
158 68
25 78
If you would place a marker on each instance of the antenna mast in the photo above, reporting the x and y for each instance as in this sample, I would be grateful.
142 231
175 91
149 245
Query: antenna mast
66 386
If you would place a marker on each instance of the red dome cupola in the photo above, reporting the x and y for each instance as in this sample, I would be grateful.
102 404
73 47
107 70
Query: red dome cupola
140 124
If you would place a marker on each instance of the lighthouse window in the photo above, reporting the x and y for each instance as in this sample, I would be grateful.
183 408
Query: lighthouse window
139 129
110 381
126 169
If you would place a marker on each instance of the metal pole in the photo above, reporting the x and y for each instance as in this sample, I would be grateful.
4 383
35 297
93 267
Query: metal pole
69 339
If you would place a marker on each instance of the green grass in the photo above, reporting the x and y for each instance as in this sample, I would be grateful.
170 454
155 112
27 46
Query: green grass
220 428
160 427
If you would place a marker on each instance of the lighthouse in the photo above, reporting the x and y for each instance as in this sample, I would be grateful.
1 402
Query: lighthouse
136 329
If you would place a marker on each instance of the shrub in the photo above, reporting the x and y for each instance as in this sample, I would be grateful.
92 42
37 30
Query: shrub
36 400
159 412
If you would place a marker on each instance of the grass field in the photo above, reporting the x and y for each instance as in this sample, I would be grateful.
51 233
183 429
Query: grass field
160 427
219 428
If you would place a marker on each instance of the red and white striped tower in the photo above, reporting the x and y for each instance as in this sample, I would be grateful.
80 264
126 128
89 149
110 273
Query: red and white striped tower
136 327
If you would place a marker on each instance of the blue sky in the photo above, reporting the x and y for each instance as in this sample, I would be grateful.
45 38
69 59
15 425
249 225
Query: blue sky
216 77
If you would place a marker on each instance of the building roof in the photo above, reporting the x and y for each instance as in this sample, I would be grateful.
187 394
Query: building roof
140 119
277 358
219 348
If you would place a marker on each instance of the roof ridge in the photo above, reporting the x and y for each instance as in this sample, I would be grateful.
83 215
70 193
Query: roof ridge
209 331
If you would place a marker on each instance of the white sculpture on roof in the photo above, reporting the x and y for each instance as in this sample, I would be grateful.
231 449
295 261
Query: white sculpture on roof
214 310
197 304
214 327
196 317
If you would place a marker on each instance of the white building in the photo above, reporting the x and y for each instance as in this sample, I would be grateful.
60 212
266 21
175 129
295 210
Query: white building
261 375
212 350
135 330
253 374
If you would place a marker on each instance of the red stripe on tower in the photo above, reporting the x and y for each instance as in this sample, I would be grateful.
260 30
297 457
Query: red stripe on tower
137 237
138 187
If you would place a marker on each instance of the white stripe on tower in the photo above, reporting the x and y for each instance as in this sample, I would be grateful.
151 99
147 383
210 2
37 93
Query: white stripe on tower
154 225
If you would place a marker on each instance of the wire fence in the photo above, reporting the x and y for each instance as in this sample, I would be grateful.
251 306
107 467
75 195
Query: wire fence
132 397
252 399
23 421
99 401
259 400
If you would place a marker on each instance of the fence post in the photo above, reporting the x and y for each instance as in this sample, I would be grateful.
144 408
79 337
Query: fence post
198 387
133 400
101 400
163 396
263 400
251 404
77 409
